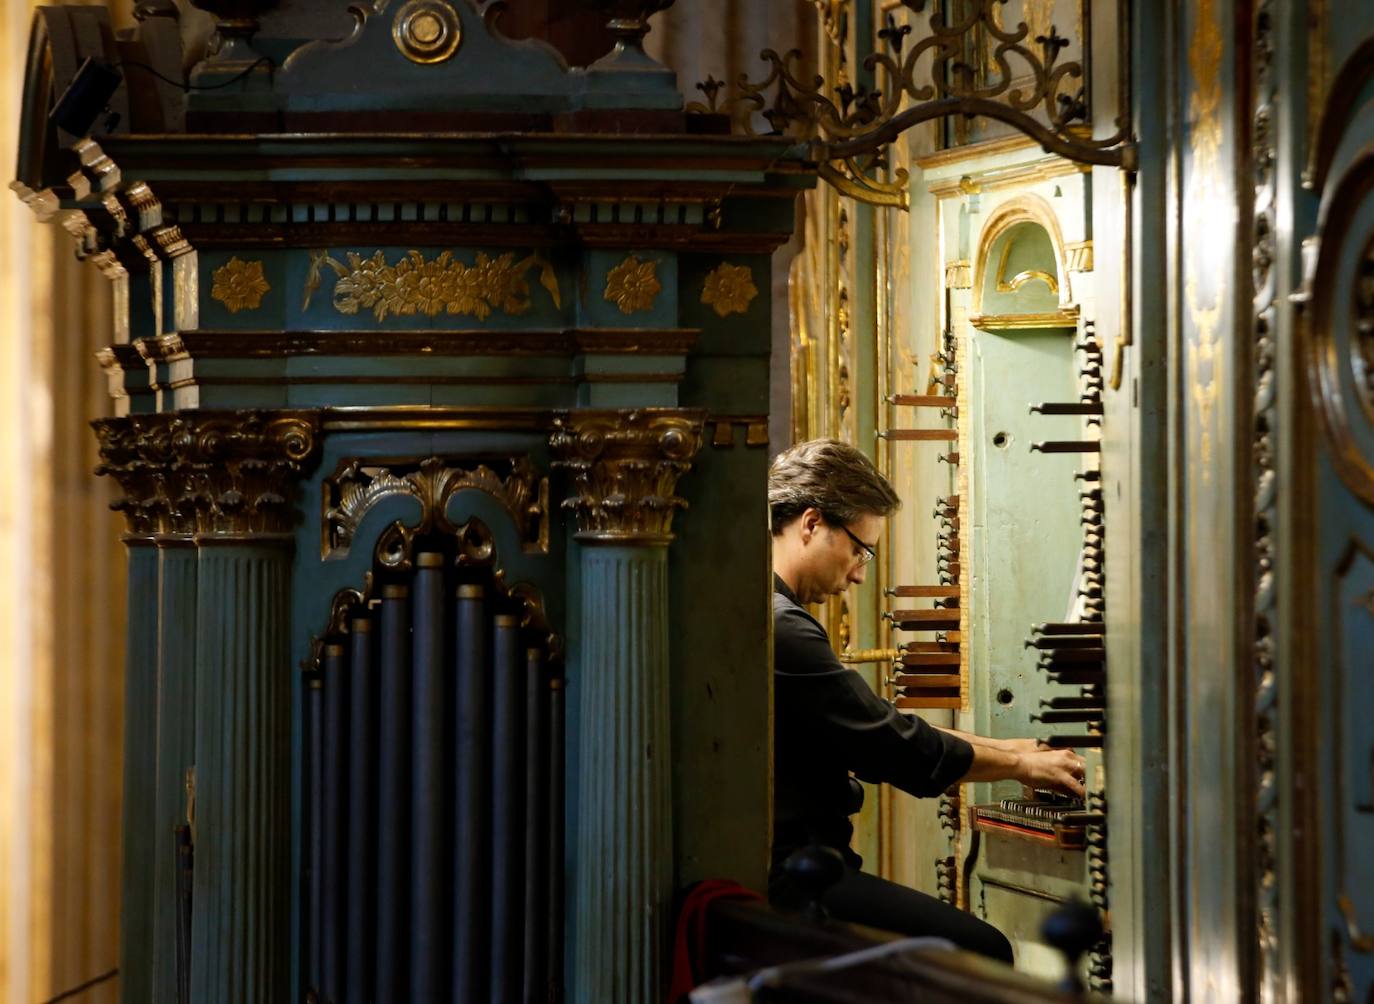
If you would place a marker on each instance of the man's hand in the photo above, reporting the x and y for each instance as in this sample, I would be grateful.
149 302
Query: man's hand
1061 770
1024 745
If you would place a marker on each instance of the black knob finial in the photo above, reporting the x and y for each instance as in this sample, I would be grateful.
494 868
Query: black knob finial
1073 929
814 869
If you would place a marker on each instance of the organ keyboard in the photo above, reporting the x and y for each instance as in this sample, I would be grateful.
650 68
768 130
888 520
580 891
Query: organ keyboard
1044 816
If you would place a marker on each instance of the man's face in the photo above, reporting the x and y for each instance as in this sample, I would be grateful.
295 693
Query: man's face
838 560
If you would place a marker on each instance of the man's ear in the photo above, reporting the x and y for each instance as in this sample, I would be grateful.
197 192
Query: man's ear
810 519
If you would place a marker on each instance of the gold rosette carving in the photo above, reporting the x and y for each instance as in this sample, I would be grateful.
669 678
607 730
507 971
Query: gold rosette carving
633 285
624 467
729 289
239 285
224 474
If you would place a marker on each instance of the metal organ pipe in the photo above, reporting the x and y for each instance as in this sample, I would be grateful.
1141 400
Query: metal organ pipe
536 823
393 793
314 823
472 792
507 806
427 781
336 820
362 751
434 799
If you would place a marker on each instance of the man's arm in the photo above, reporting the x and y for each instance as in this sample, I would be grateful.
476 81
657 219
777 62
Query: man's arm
1061 770
1006 745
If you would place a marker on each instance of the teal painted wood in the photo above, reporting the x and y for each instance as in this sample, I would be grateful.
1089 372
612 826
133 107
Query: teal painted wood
624 879
721 654
140 757
176 662
240 930
1137 493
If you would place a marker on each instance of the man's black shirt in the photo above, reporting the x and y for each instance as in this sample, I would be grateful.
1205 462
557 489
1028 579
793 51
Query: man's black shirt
828 724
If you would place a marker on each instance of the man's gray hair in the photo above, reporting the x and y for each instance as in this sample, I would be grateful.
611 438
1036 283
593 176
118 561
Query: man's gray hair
828 475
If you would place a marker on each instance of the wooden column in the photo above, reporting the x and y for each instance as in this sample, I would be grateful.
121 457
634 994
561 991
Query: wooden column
624 467
209 689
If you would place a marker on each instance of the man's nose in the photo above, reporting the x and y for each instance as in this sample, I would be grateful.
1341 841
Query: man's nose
856 574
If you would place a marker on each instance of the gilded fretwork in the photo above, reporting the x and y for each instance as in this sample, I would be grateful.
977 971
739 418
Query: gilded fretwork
360 483
216 474
624 467
1017 78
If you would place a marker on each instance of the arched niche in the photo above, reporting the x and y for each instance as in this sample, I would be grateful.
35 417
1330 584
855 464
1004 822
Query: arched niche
1019 267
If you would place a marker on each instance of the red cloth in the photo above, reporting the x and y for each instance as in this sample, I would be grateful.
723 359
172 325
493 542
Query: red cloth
690 940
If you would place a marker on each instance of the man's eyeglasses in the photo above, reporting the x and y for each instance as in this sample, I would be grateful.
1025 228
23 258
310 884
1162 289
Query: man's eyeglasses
866 552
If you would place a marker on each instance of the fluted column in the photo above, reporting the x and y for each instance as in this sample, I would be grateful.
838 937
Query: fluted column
217 488
624 467
139 868
123 456
176 661
240 932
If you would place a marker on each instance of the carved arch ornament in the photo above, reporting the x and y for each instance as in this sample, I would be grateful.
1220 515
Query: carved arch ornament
1026 208
1022 83
1337 314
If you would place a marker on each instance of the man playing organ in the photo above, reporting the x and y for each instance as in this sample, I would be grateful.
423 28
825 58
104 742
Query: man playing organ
827 504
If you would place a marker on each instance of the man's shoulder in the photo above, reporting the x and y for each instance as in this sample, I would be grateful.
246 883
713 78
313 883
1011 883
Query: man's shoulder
797 636
786 608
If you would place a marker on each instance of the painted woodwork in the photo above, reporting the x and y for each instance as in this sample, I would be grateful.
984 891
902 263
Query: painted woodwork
335 343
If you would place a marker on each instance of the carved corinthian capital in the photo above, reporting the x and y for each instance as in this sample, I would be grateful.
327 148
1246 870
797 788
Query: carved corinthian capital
624 467
226 474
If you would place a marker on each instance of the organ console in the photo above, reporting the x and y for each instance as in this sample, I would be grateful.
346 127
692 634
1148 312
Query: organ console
1019 539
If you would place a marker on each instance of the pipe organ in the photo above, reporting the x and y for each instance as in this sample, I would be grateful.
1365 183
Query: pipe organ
432 769
442 406
413 383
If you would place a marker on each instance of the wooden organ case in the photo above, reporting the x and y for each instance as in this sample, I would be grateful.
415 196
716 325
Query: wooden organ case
411 383
1009 632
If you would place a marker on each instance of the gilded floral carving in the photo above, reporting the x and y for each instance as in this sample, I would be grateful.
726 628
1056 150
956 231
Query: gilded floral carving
729 289
239 285
633 285
414 285
624 467
360 483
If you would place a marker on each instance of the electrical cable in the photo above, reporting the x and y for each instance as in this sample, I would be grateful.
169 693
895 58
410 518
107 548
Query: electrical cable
186 86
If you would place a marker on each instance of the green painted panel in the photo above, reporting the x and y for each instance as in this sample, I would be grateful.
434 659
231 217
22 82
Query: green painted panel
721 667
709 284
727 385
1021 558
1025 538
